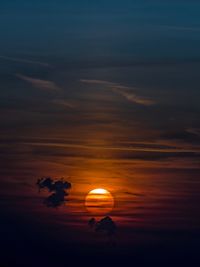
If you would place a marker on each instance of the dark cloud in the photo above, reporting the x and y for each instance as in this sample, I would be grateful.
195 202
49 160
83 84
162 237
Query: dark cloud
92 222
105 225
57 150
187 135
58 190
135 194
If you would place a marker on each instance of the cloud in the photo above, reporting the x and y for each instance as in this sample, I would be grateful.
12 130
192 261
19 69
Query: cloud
125 91
135 194
38 83
133 97
191 135
63 103
98 82
26 61
57 188
49 86
194 131
92 222
105 225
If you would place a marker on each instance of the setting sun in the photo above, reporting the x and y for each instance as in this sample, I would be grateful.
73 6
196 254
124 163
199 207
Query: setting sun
99 201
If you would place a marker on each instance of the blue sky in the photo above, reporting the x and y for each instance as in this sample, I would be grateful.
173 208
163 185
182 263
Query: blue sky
109 29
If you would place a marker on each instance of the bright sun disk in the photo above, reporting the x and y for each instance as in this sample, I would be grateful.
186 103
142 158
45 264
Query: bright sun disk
99 201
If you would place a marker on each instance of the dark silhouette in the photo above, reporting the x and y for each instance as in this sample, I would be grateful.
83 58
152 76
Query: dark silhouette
105 225
92 222
58 188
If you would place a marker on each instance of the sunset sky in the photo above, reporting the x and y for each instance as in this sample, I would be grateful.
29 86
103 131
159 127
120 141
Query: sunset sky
104 94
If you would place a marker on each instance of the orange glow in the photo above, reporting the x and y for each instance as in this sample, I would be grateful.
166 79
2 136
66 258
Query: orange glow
99 201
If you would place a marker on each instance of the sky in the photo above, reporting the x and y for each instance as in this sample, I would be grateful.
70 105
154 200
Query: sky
106 95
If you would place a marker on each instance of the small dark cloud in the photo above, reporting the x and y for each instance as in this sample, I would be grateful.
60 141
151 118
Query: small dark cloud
135 194
92 222
105 225
57 188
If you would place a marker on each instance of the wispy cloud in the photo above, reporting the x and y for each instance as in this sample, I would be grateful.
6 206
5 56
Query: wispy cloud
63 103
194 131
135 194
191 135
49 86
39 83
26 61
133 97
99 82
127 92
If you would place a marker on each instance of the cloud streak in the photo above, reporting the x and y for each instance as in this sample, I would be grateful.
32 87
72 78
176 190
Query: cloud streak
49 86
191 135
26 61
39 83
125 91
131 97
63 103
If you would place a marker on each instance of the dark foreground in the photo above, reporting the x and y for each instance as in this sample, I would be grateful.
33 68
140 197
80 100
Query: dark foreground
30 245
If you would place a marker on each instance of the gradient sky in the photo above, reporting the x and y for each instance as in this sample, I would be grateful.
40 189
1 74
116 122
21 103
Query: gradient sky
105 94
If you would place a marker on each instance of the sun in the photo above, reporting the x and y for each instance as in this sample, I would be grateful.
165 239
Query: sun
99 201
